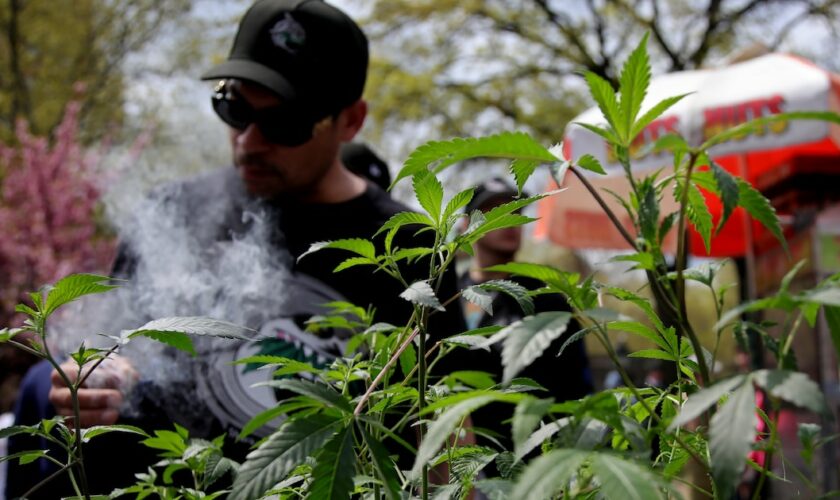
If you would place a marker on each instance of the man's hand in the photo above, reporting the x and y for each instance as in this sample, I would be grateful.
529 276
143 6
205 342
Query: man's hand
101 395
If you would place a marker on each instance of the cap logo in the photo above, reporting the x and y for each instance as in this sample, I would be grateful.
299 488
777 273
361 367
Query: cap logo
288 34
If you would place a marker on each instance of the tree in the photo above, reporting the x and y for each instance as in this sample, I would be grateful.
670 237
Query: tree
478 66
48 46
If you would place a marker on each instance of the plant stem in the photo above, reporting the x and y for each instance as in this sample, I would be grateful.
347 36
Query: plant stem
74 396
421 395
789 341
589 187
604 339
681 262
384 370
27 349
772 446
48 479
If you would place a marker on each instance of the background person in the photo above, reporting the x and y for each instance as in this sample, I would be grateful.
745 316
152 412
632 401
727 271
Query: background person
565 377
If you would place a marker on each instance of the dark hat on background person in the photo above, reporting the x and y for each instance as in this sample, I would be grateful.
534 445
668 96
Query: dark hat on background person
492 190
308 52
361 160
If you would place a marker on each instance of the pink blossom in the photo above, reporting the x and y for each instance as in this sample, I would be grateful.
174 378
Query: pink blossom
48 204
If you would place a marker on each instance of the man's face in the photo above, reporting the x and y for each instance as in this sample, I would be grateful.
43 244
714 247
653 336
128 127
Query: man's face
500 241
269 169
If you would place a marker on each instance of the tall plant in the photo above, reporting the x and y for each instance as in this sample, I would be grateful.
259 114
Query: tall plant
601 444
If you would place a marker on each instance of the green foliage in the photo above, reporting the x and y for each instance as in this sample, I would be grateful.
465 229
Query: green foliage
289 446
338 433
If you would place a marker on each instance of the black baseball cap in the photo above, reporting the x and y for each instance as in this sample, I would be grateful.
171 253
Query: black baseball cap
360 159
308 52
491 189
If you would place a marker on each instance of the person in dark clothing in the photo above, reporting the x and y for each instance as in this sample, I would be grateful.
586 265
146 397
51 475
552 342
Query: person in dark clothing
361 160
566 377
291 93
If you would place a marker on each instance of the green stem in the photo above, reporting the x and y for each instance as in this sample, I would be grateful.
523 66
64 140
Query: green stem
788 343
589 187
384 370
421 395
74 396
26 348
774 437
604 339
48 479
681 262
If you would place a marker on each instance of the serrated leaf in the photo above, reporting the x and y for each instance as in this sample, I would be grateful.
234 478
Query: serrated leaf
474 379
14 430
670 142
98 430
334 471
385 468
458 202
73 287
589 162
541 435
442 428
641 330
439 155
194 325
217 467
359 246
315 390
25 457
641 302
522 171
421 293
548 474
403 219
704 399
731 434
412 253
476 295
261 419
408 359
652 354
793 387
280 453
178 340
7 334
526 417
760 209
526 340
622 479
644 260
495 489
655 112
633 85
574 338
759 123
606 134
353 262
429 193
729 192
604 95
699 215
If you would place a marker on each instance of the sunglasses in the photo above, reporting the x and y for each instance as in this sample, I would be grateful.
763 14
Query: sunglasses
282 125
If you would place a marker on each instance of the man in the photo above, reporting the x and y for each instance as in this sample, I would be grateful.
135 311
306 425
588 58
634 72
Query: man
565 377
291 93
